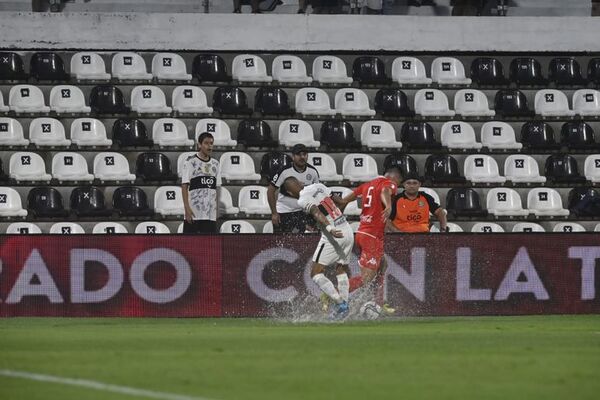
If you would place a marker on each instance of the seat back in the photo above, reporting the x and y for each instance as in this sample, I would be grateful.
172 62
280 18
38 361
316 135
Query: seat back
250 68
325 166
237 226
352 102
538 134
107 99
47 132
237 165
568 227
130 133
442 168
149 99
487 71
89 132
419 135
591 168
154 167
463 201
129 66
511 103
312 101
68 166
272 101
12 67
111 166
130 200
358 167
409 70
486 227
528 227
392 102
499 135
522 168
544 200
210 68
407 164
459 135
253 200
295 131
67 99
338 134
10 203
169 66
88 66
471 102
586 102
504 201
432 102
27 166
288 68
552 102
170 132
108 228
565 71
230 100
11 132
378 134
577 135
482 168
168 200
66 228
47 67
369 70
218 128
255 133
23 228
562 168
190 99
27 98
526 71
330 69
46 201
88 201
151 228
272 162
448 70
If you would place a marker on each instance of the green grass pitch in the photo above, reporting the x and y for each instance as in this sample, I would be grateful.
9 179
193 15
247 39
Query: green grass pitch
537 357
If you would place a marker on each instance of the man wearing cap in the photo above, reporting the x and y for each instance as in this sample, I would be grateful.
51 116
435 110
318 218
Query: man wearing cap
286 214
411 209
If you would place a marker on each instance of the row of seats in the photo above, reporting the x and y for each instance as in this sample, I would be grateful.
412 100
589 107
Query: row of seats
292 69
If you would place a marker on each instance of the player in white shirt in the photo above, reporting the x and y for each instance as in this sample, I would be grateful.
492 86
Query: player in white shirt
336 242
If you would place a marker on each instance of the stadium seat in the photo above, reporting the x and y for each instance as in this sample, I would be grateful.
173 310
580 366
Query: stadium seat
369 70
169 67
46 202
109 166
88 201
3 107
3 176
459 135
464 202
527 227
313 101
330 69
586 102
27 99
448 71
88 66
46 66
129 66
27 166
521 168
45 132
511 103
432 103
352 208
353 102
407 164
149 100
566 71
190 100
409 71
562 168
578 135
443 168
488 71
452 228
325 165
230 100
252 200
170 132
168 200
527 71
180 228
89 132
210 68
359 167
238 166
591 168
66 99
545 202
272 162
154 167
108 99
255 133
130 133
23 228
219 129
151 228
568 227
250 68
11 133
289 69
432 193
12 67
338 134
226 202
295 131
486 227
268 227
593 74
502 202
419 135
552 103
131 201
583 202
237 226
66 228
472 103
379 134
272 101
481 168
70 166
538 135
108 228
181 160
10 203
391 102
498 135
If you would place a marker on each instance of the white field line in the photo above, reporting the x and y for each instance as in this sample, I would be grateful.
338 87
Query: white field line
97 386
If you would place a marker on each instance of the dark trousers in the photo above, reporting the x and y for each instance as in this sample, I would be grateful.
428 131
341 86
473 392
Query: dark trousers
200 226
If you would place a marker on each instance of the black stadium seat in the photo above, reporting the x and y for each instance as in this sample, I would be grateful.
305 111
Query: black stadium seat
464 202
210 68
392 103
443 168
130 133
419 135
46 202
131 201
12 67
48 67
338 134
584 202
562 168
272 162
405 162
512 103
255 133
527 71
566 71
3 176
578 135
88 201
593 74
369 70
538 135
108 99
272 101
230 100
488 71
154 167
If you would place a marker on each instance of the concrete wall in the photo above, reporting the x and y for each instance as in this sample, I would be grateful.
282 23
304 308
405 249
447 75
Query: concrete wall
224 32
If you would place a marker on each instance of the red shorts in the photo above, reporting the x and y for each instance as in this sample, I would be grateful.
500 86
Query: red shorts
371 251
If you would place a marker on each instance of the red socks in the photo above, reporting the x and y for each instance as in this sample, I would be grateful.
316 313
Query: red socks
355 283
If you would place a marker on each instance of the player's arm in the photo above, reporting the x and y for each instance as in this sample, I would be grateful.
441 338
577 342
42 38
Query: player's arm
386 199
390 227
322 219
272 199
185 194
342 202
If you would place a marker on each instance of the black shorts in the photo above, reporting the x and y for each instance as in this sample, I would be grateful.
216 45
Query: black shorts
200 226
294 222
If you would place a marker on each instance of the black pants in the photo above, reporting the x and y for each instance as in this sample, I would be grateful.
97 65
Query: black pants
200 226
294 222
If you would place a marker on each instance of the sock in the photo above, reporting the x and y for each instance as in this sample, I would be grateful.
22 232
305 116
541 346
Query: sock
355 283
343 284
327 287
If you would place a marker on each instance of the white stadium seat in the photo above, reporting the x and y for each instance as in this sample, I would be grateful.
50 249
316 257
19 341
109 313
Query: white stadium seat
486 227
586 102
330 69
88 66
250 68
432 103
11 133
3 107
10 203
505 202
219 129
431 192
149 99
129 66
379 134
27 166
591 168
23 228
167 132
409 70
472 103
459 135
110 166
190 100
226 202
498 135
47 132
552 103
568 227
481 168
296 131
151 227
452 227
70 166
597 228
528 227
67 99
325 166
353 102
108 228
27 99
168 200
237 226
89 132
169 66
521 168
252 200
180 228
66 228
181 159
545 202
359 167
449 71
288 68
268 227
238 166
352 208
313 101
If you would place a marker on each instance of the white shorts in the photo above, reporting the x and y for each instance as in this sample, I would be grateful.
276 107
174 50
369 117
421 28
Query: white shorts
332 251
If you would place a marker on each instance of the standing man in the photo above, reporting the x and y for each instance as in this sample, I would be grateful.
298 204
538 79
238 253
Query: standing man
286 214
199 181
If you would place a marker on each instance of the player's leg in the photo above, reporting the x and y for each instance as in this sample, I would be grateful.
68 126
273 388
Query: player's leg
321 259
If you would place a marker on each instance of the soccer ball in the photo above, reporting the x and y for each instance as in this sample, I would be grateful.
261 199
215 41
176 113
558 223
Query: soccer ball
370 310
